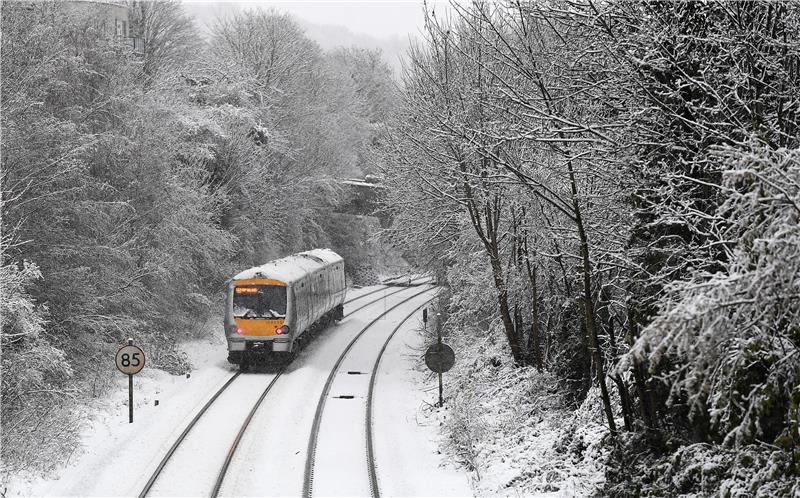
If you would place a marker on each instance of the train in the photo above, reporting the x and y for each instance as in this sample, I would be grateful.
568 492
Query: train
271 309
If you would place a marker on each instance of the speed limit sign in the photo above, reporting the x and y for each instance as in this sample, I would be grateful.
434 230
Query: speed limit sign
130 359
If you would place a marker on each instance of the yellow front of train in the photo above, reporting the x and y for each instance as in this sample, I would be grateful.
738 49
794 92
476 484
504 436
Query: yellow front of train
256 321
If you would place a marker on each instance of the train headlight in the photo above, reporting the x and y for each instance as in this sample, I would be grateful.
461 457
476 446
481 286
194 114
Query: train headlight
282 330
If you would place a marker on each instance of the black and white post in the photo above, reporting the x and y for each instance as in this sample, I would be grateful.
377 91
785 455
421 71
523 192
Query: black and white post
439 357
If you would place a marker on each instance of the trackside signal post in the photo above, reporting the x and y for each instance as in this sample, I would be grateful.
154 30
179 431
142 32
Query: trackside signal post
439 357
130 361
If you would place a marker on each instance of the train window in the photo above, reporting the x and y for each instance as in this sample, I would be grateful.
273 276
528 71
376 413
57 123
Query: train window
259 301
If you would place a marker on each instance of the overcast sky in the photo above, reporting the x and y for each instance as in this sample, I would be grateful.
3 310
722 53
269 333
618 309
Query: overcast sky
376 18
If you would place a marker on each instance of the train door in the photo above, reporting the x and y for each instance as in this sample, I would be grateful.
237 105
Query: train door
303 303
337 276
314 297
326 289
340 276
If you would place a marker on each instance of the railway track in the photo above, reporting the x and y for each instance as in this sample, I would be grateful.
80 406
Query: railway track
380 288
371 466
399 289
182 436
212 403
164 462
245 424
311 452
413 283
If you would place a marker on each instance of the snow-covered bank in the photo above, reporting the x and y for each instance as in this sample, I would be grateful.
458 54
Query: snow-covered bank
509 428
113 450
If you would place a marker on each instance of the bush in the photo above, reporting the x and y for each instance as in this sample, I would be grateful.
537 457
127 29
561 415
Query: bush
39 426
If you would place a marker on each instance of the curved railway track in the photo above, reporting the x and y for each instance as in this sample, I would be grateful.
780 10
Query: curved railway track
371 467
380 288
229 456
400 289
182 436
413 283
308 475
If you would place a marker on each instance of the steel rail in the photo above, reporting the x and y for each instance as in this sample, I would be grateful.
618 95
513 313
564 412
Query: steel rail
308 474
384 286
401 289
183 435
371 467
245 424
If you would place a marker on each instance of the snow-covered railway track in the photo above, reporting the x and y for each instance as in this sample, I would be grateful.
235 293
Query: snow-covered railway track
335 473
171 471
365 294
413 283
371 467
168 457
246 423
183 435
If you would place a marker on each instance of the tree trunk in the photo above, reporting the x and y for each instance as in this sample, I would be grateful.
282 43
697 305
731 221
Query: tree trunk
534 339
624 394
588 304
505 312
647 405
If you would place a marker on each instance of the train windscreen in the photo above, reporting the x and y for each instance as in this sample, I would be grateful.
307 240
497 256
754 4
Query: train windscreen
259 301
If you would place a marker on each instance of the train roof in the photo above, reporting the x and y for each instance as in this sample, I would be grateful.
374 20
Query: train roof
292 268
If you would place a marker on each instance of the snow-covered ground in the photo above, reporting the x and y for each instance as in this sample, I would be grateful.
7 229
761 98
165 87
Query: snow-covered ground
117 458
408 459
507 426
115 454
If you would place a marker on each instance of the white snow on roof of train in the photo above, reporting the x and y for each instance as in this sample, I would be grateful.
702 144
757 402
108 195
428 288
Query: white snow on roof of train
291 268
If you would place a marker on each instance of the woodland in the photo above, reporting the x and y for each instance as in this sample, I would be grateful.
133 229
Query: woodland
612 189
135 185
608 194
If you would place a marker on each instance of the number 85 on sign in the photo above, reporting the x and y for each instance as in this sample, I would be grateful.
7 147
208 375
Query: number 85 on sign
130 359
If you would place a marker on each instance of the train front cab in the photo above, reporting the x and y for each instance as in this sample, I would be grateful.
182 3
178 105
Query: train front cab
259 321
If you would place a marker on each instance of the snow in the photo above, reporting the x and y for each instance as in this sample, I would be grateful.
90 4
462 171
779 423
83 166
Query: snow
117 454
406 278
342 448
507 427
408 459
361 183
291 268
117 458
353 294
193 468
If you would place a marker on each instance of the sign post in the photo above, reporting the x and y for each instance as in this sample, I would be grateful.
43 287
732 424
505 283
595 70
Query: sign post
439 357
130 398
130 361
